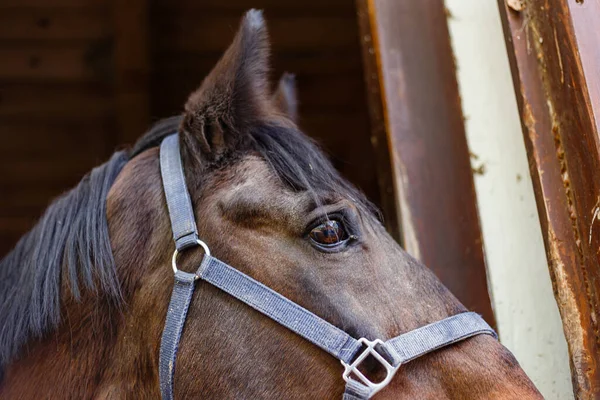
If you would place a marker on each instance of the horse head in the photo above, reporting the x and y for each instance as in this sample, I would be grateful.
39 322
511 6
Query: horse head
268 202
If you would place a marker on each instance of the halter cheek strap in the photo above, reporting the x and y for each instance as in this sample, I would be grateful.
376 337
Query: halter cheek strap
350 351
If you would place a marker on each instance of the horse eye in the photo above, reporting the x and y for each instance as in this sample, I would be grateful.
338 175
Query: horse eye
329 233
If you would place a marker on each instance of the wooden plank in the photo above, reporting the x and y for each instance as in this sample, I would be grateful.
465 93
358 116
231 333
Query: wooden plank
193 32
378 136
56 104
270 6
330 61
61 62
585 16
54 101
27 201
52 24
33 137
418 115
33 4
20 172
132 68
556 87
322 126
340 93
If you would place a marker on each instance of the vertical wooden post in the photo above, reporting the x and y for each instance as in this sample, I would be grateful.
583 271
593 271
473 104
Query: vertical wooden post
132 68
554 50
379 140
420 141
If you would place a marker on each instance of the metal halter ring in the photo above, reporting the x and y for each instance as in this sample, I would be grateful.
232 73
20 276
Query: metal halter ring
176 252
352 369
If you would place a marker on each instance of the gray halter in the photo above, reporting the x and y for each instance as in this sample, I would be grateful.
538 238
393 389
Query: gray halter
350 351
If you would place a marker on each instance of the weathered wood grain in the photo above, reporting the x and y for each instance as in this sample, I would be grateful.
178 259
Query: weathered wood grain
555 58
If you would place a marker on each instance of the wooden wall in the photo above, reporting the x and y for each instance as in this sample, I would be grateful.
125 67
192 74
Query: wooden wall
78 76
56 103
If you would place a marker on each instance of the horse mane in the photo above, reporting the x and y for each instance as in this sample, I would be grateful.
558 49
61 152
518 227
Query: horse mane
71 242
72 233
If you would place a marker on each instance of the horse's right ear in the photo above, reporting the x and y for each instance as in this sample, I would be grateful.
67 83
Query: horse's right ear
232 98
285 97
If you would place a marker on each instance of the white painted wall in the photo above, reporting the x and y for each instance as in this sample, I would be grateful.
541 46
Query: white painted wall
528 320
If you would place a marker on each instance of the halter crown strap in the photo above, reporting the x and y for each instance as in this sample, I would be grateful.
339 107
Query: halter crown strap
350 351
183 223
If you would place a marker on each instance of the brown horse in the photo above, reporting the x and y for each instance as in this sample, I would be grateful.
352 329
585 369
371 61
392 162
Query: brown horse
84 294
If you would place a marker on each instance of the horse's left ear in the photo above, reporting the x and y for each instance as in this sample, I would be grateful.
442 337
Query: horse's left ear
234 97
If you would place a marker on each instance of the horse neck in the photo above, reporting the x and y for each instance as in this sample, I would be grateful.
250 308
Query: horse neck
68 357
102 349
139 230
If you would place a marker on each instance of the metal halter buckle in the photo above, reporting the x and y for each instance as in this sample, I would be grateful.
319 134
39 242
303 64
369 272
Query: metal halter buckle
370 350
175 253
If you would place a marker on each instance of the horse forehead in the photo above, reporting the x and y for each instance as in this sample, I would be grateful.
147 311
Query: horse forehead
251 183
252 173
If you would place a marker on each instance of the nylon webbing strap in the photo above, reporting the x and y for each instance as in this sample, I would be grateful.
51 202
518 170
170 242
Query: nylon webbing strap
185 234
289 314
356 391
183 289
428 338
183 223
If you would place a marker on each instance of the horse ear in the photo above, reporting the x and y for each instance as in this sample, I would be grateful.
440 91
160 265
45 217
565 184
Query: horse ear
233 97
285 96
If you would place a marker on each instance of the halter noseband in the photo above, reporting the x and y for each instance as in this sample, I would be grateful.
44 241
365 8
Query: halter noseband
390 354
